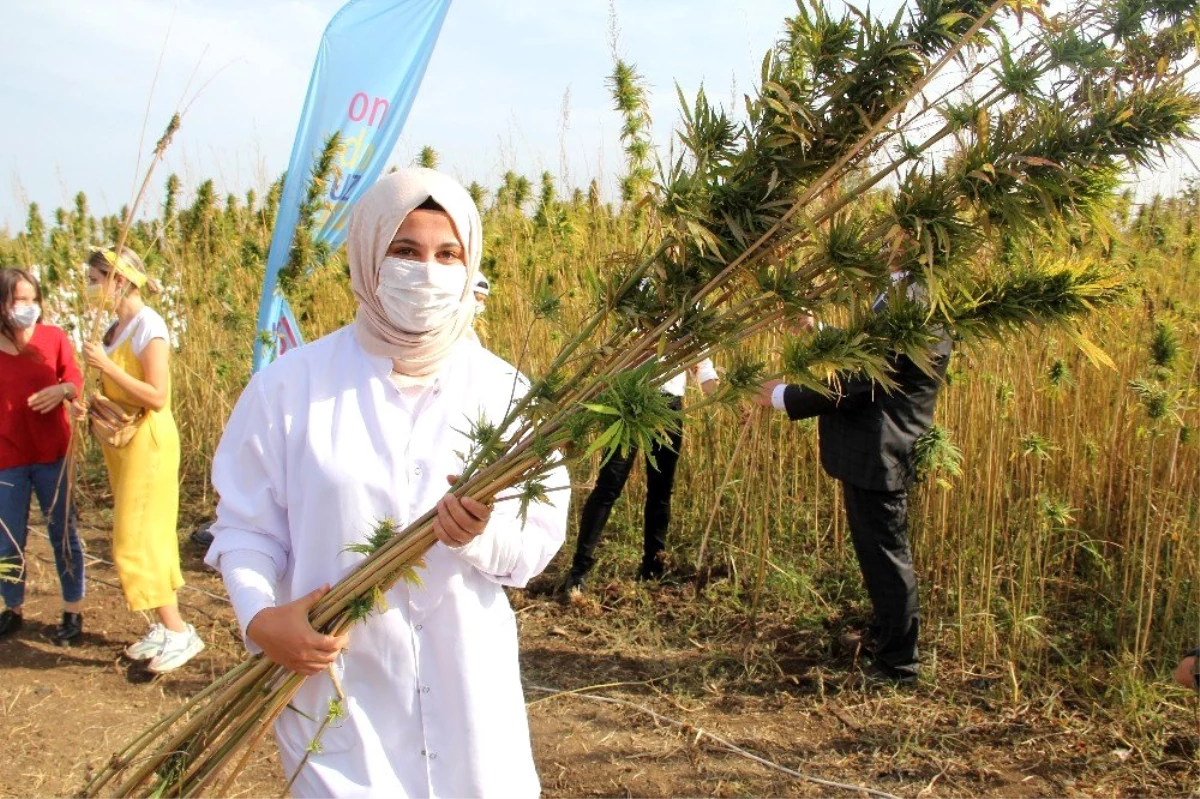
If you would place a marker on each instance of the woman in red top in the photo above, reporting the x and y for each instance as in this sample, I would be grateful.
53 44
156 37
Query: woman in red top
40 378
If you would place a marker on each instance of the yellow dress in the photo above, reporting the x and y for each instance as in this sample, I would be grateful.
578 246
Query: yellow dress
144 476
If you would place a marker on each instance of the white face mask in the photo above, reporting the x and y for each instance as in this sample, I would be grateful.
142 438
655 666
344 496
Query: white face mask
26 316
420 296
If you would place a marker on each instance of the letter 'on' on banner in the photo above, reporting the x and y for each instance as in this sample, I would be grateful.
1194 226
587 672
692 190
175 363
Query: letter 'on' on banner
368 68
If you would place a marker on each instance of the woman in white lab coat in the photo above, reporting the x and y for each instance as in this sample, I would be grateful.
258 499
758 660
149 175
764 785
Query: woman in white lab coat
365 424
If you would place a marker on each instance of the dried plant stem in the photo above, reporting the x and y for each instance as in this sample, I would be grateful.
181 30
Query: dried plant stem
210 714
733 460
135 747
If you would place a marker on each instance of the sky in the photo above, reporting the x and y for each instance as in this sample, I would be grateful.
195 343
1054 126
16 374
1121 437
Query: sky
513 84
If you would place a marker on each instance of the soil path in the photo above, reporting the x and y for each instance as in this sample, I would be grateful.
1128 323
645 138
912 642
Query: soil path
617 708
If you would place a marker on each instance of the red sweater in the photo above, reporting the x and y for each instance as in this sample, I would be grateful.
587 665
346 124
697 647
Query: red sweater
26 436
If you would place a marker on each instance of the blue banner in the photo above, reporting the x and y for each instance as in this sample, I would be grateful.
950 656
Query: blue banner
368 68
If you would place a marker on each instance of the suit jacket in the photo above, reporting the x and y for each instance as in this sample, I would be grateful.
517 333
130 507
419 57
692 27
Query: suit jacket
867 433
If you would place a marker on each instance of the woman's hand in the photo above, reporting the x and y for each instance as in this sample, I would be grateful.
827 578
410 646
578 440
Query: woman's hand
49 398
288 639
96 357
459 521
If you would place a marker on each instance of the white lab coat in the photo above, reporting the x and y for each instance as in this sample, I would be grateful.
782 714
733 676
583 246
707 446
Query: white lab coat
322 445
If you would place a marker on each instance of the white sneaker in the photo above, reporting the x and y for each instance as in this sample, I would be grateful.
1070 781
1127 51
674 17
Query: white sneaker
150 645
179 649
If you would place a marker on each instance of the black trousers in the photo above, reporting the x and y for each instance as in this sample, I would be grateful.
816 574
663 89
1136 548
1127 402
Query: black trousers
660 482
879 528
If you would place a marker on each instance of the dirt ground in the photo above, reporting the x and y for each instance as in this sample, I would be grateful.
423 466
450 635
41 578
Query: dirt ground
631 692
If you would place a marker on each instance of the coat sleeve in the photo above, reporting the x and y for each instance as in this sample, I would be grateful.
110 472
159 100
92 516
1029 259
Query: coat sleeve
249 475
251 581
852 393
510 552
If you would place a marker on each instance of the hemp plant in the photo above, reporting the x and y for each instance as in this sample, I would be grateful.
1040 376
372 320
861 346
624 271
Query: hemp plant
304 253
849 164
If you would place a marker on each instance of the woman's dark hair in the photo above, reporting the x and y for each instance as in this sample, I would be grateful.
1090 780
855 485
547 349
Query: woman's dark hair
430 204
10 276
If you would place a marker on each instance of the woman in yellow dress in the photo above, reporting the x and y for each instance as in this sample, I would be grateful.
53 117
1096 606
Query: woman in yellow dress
144 474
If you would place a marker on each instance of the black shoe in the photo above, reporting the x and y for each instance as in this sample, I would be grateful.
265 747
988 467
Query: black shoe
202 536
650 573
10 622
878 674
574 583
70 630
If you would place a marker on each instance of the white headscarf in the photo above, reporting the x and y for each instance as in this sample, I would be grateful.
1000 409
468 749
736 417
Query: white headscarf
374 221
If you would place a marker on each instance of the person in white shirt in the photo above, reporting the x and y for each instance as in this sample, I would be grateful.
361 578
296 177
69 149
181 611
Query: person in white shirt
365 424
481 289
661 461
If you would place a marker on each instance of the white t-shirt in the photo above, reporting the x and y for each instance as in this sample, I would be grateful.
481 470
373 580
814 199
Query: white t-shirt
144 328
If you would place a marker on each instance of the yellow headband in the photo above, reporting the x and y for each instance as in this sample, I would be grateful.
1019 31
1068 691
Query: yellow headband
124 269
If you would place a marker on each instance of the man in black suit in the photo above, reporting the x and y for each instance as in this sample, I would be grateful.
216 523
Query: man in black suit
866 440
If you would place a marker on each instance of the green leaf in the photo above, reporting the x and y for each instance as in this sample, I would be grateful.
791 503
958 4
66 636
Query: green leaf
605 438
607 410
